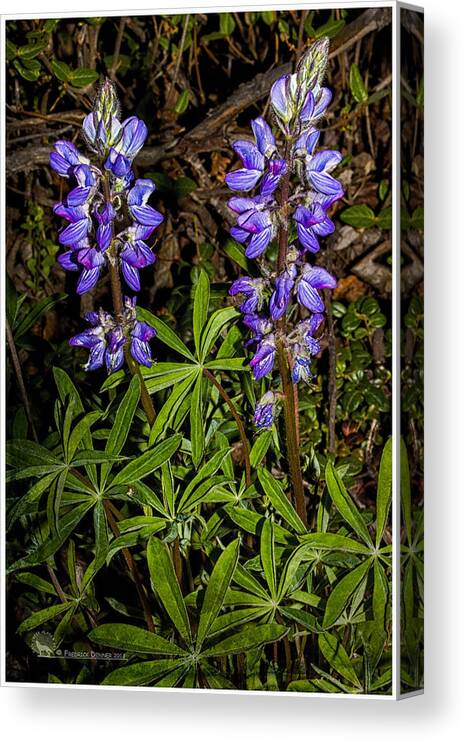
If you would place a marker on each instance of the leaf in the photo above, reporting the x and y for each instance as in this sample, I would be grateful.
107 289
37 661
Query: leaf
61 70
357 86
133 638
51 546
200 310
334 653
197 422
164 333
82 77
227 23
122 424
101 544
166 584
342 592
279 501
267 556
174 402
405 491
334 542
359 216
148 462
206 472
182 102
228 364
40 617
345 504
212 331
384 493
34 314
248 639
141 673
80 431
218 584
260 447
235 251
330 29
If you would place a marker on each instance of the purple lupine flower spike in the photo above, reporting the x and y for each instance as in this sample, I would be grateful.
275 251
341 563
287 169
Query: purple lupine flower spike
109 220
270 312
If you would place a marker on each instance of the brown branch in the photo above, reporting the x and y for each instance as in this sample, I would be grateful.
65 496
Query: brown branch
240 426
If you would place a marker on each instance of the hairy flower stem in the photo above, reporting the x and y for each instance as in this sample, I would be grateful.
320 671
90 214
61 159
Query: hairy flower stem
240 426
290 408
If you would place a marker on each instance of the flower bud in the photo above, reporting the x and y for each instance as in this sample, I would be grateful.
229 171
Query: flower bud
312 65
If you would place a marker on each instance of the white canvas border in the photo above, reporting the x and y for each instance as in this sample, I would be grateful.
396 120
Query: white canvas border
353 4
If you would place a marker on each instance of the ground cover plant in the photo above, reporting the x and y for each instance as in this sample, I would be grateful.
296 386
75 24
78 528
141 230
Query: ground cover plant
198 324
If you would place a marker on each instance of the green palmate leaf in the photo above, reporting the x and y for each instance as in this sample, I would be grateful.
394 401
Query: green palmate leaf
207 471
304 618
34 315
51 546
82 77
164 333
215 592
81 431
334 542
212 331
228 364
246 640
29 503
360 216
122 424
334 653
279 500
40 617
267 556
233 619
405 491
141 673
133 639
101 544
345 504
260 447
169 410
200 310
380 596
21 453
251 522
197 422
166 585
165 379
357 86
148 462
384 493
342 592
28 578
248 582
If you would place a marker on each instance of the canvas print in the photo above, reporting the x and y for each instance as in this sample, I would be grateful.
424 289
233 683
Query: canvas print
199 333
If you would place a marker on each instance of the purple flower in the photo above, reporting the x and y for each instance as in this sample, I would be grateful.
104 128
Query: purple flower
263 361
283 97
252 289
301 368
114 354
134 256
104 233
80 223
312 222
94 338
133 135
310 280
91 261
65 157
318 169
260 326
144 215
256 160
265 411
281 295
256 229
141 334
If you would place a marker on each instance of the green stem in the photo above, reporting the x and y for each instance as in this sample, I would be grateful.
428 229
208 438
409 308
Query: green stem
118 306
290 399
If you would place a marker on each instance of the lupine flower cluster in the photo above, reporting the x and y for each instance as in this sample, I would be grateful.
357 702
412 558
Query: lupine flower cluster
287 187
110 222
